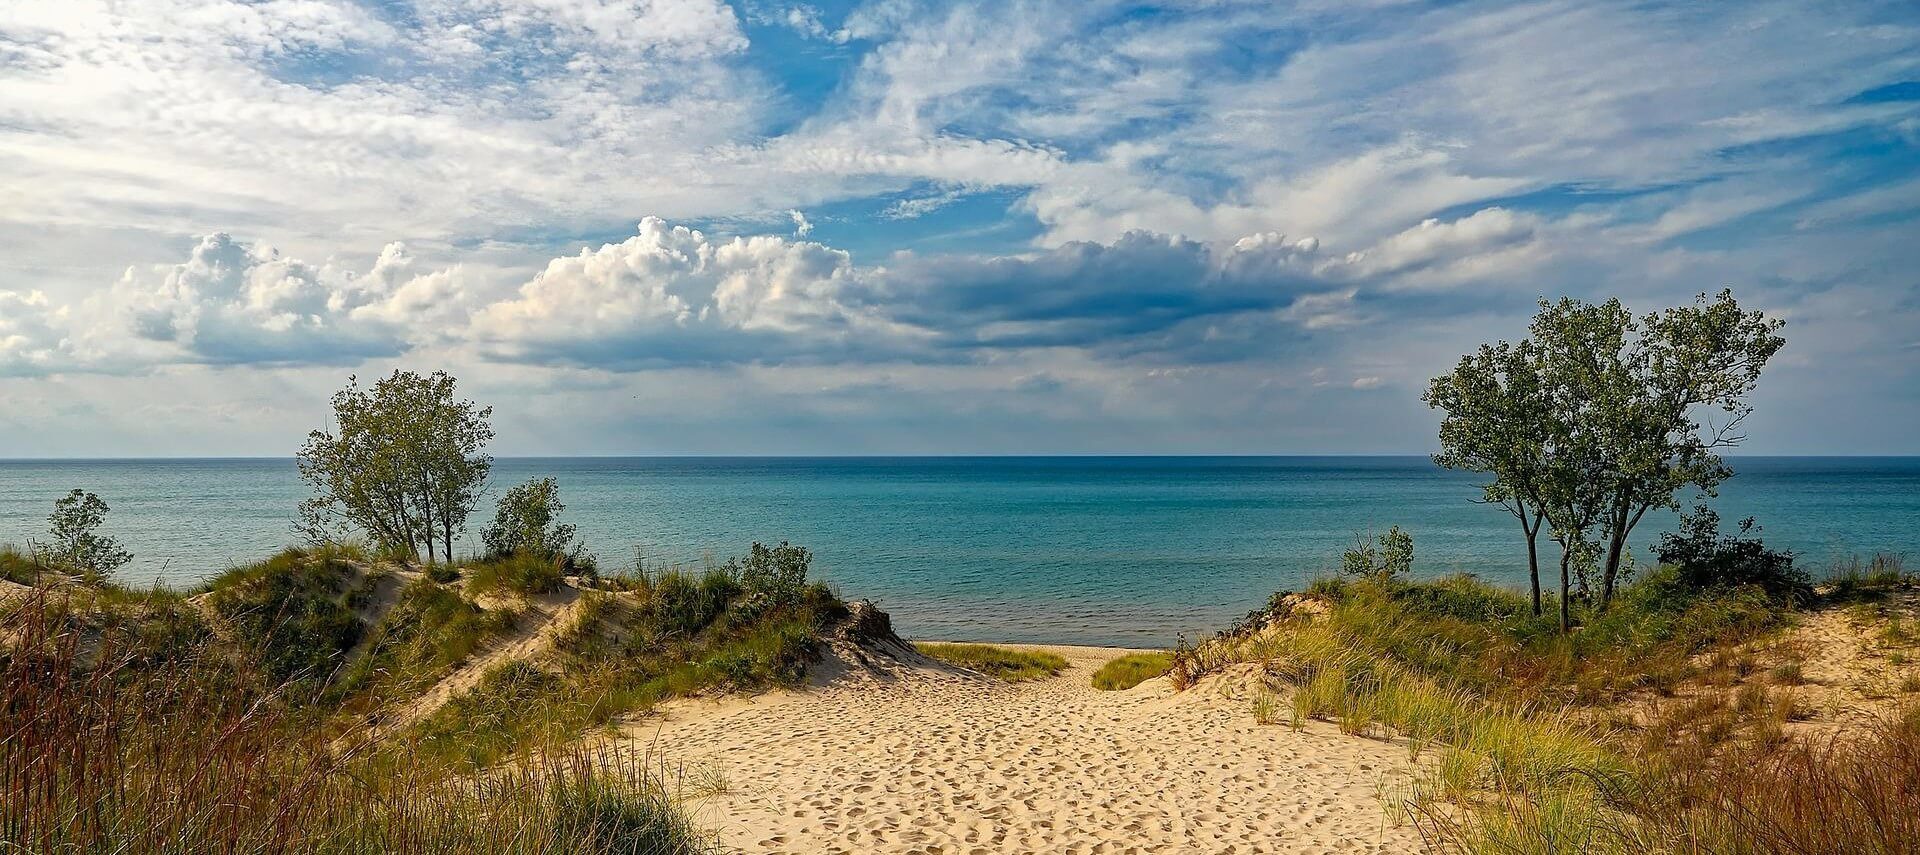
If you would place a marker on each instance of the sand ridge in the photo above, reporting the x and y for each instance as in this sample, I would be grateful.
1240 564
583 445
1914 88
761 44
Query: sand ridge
918 757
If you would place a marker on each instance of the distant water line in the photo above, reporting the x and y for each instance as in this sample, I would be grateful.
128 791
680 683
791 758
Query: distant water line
1089 550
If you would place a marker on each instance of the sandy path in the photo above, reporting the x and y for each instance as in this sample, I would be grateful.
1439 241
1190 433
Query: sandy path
926 759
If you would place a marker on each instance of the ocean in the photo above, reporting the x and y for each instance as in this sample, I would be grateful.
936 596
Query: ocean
1080 550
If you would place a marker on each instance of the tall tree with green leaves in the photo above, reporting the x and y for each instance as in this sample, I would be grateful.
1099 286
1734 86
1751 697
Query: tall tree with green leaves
403 465
1653 408
1496 424
1593 419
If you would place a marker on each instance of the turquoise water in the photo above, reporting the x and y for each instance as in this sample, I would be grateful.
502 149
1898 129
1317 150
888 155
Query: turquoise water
1090 550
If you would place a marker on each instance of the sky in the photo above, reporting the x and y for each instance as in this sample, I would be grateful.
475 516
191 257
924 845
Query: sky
698 227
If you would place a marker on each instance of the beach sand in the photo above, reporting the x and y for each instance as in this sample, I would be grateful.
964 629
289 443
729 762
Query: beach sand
911 756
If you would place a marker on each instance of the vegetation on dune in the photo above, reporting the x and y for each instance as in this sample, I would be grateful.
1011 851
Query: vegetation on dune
744 626
520 574
292 612
105 750
1002 663
1538 745
1125 672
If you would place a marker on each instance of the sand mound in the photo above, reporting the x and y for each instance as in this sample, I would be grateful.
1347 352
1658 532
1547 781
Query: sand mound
891 752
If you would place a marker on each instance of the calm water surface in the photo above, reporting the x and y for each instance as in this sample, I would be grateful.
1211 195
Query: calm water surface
1090 550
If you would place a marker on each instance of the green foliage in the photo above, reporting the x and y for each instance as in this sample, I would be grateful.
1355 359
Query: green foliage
668 634
1706 559
1590 422
777 573
291 611
77 544
17 566
404 465
526 519
1125 672
521 574
1003 663
428 631
142 756
1381 558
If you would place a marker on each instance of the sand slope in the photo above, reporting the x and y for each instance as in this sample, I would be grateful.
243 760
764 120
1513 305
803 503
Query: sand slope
918 757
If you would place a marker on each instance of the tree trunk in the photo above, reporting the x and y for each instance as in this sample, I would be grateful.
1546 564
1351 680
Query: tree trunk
1533 559
1566 619
1614 544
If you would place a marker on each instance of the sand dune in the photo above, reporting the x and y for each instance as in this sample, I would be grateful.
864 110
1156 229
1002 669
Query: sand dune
918 757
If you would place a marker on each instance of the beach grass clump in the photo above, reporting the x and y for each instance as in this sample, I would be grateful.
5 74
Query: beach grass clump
1000 663
19 567
105 750
1870 577
516 574
1124 672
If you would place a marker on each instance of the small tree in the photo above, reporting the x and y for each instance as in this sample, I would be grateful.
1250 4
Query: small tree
1382 558
403 465
526 520
778 571
76 543
1496 423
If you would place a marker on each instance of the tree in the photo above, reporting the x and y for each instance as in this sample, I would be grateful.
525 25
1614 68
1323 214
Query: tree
404 465
1641 395
76 543
1382 558
525 520
1589 423
1496 423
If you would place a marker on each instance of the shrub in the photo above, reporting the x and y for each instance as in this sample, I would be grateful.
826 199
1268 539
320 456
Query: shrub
777 573
1013 666
1708 559
1380 558
525 520
1125 672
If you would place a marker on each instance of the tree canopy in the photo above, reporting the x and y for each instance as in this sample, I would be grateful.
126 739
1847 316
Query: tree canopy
1597 417
403 466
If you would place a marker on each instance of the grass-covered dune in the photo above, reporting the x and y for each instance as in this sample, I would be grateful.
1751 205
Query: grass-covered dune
1677 720
321 701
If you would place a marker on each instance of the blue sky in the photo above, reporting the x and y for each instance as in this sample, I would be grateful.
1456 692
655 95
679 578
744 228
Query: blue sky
689 226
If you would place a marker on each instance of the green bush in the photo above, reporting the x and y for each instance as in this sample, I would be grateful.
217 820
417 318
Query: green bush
291 611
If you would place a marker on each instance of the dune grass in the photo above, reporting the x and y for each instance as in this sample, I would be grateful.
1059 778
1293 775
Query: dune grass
1125 672
520 574
1000 663
103 749
667 634
1526 754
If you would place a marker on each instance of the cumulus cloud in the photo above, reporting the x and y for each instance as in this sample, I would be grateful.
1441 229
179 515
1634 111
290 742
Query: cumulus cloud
30 342
672 295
